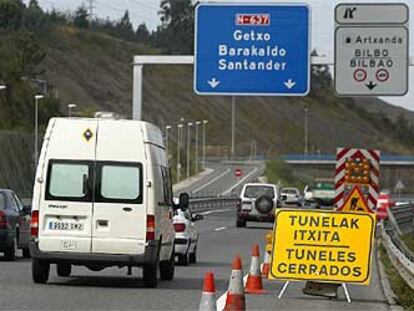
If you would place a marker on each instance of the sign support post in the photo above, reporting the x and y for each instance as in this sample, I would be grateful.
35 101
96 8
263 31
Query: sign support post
286 284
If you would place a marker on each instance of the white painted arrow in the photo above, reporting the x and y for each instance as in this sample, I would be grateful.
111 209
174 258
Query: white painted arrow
213 83
289 84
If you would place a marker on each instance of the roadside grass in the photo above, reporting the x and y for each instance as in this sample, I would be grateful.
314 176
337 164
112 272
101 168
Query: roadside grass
409 240
278 171
405 295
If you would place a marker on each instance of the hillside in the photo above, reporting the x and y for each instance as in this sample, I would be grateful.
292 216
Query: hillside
93 71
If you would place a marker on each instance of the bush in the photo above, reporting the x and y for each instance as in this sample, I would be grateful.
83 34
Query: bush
278 171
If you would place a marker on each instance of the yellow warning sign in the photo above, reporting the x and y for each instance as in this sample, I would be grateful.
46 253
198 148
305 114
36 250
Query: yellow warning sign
323 246
355 202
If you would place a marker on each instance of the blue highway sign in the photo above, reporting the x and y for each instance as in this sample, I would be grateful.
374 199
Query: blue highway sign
250 49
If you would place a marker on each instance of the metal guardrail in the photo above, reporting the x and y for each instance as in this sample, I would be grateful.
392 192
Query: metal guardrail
402 217
206 204
400 256
310 157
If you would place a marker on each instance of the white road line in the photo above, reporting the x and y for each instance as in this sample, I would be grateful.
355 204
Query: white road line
222 300
212 181
220 229
216 211
228 191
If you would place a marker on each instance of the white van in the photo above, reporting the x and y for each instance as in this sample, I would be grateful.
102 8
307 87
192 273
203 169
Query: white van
102 197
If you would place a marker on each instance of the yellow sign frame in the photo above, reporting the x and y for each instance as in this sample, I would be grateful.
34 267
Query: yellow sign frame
343 256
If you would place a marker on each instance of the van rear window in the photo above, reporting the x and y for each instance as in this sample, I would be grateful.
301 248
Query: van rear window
119 182
100 181
258 191
69 180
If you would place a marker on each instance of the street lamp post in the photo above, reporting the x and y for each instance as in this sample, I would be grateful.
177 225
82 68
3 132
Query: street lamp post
167 128
70 107
196 146
306 132
233 126
179 136
204 144
37 97
189 125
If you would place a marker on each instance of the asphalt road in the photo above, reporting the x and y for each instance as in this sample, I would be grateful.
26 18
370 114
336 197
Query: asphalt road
222 180
219 242
112 289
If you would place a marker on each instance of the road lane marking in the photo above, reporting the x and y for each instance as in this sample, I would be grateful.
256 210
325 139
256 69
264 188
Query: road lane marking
212 181
228 191
221 302
220 229
216 211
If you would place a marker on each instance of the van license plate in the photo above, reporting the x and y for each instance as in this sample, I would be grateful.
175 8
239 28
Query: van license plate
53 225
68 245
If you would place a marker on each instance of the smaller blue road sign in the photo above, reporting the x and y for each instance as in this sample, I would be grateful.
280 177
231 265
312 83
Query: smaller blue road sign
249 49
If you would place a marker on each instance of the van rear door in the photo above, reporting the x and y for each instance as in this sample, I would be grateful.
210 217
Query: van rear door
65 210
119 215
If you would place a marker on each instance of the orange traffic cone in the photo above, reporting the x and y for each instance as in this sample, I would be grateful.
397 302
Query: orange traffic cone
208 297
254 280
236 300
266 265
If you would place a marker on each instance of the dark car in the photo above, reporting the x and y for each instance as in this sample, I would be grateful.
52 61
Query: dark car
14 225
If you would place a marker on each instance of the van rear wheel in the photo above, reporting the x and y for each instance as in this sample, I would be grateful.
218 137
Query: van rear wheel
40 271
63 270
150 274
167 268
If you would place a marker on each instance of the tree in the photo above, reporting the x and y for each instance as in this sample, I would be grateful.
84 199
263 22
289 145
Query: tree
321 78
81 18
33 16
142 34
11 13
28 55
403 130
124 27
177 30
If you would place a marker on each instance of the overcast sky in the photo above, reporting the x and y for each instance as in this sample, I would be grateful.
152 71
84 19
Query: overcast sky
322 22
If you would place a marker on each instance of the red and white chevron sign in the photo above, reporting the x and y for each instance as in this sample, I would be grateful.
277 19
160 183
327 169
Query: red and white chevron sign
357 167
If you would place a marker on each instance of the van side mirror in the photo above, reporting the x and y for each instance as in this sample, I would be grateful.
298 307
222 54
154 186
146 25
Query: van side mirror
184 201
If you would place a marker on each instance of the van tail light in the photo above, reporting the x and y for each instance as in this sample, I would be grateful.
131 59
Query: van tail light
150 228
179 227
3 220
34 224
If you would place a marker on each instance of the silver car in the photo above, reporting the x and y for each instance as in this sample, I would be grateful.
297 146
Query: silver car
257 203
291 196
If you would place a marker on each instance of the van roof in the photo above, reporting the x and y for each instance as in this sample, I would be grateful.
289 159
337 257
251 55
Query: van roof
151 133
117 140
